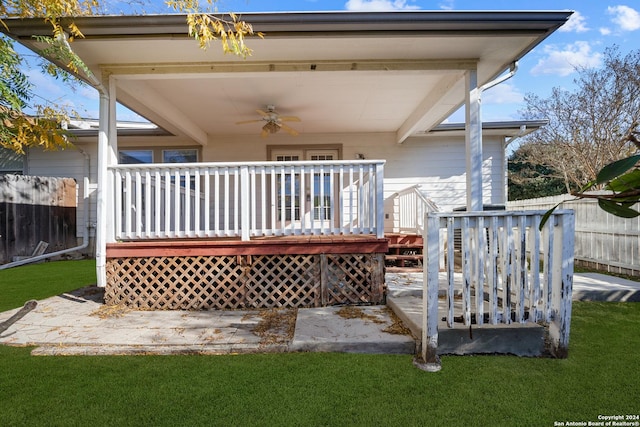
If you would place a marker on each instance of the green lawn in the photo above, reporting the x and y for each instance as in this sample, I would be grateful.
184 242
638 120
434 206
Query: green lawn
601 376
38 281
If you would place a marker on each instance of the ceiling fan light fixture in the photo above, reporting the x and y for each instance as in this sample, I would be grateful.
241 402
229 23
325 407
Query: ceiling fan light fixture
271 127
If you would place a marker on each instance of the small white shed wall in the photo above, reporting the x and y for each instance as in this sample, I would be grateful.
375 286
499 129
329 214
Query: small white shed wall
70 163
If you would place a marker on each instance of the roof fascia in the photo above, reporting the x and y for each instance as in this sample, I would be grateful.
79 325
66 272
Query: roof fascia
345 22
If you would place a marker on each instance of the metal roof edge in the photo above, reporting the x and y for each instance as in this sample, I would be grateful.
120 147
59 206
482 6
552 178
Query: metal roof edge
296 22
507 124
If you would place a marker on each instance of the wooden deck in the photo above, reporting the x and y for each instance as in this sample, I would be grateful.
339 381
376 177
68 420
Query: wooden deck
309 271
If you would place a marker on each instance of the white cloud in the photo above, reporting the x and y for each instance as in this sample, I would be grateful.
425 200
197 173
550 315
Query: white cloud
447 5
577 23
605 31
505 93
562 62
377 5
626 18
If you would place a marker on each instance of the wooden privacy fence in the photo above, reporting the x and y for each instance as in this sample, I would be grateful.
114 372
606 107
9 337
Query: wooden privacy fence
36 209
602 240
511 272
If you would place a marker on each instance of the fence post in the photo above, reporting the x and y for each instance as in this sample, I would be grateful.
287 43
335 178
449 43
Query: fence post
429 360
562 286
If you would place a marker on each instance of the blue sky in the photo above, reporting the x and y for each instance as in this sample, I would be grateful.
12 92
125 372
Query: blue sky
594 26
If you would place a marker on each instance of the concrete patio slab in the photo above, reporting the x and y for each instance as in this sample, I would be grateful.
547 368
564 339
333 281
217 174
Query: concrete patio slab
78 323
349 330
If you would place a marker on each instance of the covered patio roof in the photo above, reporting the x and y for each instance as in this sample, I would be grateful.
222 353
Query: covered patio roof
339 72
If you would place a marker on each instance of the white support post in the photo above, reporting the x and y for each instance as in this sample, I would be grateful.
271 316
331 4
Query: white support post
429 351
473 141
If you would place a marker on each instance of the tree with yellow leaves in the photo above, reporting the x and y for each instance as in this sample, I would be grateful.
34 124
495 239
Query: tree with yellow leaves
44 128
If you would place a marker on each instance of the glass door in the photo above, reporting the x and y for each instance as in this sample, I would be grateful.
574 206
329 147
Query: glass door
317 190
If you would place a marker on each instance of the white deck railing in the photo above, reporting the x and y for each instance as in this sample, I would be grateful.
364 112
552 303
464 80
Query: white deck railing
413 205
247 199
508 271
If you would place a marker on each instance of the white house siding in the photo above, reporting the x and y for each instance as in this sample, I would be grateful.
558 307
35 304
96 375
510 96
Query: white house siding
435 162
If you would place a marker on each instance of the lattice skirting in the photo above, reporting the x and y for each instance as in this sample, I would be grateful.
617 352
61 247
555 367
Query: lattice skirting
256 281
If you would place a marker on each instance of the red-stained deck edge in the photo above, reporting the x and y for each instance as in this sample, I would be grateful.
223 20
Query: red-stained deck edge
264 246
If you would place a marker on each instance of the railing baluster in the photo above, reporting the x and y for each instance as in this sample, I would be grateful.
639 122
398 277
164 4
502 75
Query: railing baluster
522 270
187 202
118 205
128 204
534 283
226 202
466 271
178 204
508 268
263 197
480 248
493 271
274 200
197 229
236 202
548 244
157 203
302 208
207 202
361 216
312 197
216 205
450 271
341 200
167 203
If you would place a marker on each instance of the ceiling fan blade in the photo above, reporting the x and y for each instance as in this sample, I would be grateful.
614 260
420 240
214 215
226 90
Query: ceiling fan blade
289 130
264 133
262 113
289 119
248 121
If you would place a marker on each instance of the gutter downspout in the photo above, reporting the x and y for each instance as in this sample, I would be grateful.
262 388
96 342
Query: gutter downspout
85 219
513 69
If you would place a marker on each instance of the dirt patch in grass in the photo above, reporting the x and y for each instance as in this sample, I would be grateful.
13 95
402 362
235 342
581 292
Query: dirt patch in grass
276 325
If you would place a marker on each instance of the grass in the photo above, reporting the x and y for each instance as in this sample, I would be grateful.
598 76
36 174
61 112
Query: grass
38 281
601 376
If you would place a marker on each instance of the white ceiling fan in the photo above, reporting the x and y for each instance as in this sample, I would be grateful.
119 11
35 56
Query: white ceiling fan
274 122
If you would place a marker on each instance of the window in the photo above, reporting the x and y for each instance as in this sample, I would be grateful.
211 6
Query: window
171 155
180 156
133 157
11 162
